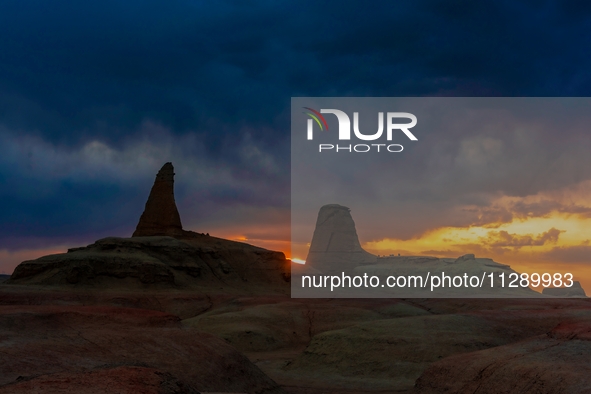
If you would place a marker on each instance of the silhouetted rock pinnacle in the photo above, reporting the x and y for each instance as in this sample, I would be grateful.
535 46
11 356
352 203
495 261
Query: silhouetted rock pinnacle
161 217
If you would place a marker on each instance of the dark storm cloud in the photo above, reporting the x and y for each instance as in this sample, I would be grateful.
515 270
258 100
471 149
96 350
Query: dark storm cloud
71 69
59 194
95 96
543 208
494 215
506 239
572 254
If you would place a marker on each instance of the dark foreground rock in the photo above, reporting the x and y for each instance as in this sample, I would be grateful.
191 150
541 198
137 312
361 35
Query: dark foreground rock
160 262
120 380
394 352
256 325
306 346
57 346
556 362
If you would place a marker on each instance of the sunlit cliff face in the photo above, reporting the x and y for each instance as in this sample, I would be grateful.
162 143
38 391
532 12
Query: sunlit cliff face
546 232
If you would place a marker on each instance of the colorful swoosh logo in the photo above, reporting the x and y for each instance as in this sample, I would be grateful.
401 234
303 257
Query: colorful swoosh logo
317 116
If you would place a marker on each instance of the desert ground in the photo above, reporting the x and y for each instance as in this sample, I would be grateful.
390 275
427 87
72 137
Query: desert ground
90 339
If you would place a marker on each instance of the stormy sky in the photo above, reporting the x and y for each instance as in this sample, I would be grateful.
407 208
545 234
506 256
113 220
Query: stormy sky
96 96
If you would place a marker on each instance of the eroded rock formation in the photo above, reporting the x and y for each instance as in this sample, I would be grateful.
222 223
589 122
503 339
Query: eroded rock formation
335 246
82 349
161 262
161 216
556 361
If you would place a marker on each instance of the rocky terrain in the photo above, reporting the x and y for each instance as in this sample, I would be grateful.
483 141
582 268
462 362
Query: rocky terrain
182 312
272 343
43 346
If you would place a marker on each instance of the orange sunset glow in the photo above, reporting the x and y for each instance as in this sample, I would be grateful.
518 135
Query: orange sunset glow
10 259
547 232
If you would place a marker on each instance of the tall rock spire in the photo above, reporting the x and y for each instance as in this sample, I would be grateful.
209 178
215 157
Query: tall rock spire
335 246
161 217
